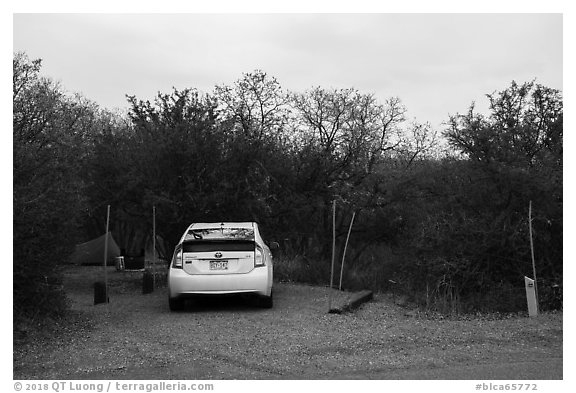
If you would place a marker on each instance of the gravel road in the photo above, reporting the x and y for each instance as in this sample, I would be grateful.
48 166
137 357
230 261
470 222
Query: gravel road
137 337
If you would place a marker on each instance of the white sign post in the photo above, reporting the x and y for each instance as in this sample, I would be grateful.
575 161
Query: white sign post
531 296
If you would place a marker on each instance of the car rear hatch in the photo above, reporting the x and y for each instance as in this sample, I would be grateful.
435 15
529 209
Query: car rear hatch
218 256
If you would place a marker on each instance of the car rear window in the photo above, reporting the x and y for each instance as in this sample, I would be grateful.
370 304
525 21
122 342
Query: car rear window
218 245
220 234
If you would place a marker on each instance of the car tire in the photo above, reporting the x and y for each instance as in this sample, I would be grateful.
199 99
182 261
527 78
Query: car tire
175 304
266 301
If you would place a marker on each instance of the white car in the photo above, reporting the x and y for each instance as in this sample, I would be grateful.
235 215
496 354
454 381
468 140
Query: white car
218 259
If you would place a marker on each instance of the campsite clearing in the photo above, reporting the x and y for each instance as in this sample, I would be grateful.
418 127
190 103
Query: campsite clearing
137 337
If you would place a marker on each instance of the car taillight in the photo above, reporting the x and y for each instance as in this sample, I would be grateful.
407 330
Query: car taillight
177 261
258 257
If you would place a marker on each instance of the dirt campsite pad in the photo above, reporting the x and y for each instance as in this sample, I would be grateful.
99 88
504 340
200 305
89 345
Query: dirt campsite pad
135 336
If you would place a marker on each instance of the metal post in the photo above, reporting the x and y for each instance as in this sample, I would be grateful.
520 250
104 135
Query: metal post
106 253
532 253
333 254
153 235
153 245
346 246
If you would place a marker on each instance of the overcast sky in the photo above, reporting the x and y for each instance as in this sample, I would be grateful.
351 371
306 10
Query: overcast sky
437 64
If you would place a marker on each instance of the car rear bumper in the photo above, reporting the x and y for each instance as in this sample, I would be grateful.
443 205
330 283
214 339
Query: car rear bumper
182 284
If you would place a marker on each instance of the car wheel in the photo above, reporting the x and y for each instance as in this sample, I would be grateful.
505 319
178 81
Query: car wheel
266 301
175 304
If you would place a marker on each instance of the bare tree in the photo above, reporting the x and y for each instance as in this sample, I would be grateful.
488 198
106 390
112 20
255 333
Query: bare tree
255 104
349 130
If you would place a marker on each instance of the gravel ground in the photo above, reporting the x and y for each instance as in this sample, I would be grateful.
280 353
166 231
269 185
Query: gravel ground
137 337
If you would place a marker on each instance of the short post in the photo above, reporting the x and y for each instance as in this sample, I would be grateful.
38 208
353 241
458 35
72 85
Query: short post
100 295
531 296
147 282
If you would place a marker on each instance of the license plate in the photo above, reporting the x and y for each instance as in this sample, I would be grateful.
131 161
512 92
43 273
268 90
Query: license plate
218 265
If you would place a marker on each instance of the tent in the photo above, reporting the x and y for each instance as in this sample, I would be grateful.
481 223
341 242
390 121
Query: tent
92 252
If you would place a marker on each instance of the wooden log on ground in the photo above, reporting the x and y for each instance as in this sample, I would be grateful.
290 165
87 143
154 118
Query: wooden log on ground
352 302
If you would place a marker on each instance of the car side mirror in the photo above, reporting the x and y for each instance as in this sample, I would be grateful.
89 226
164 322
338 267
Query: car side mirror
274 246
